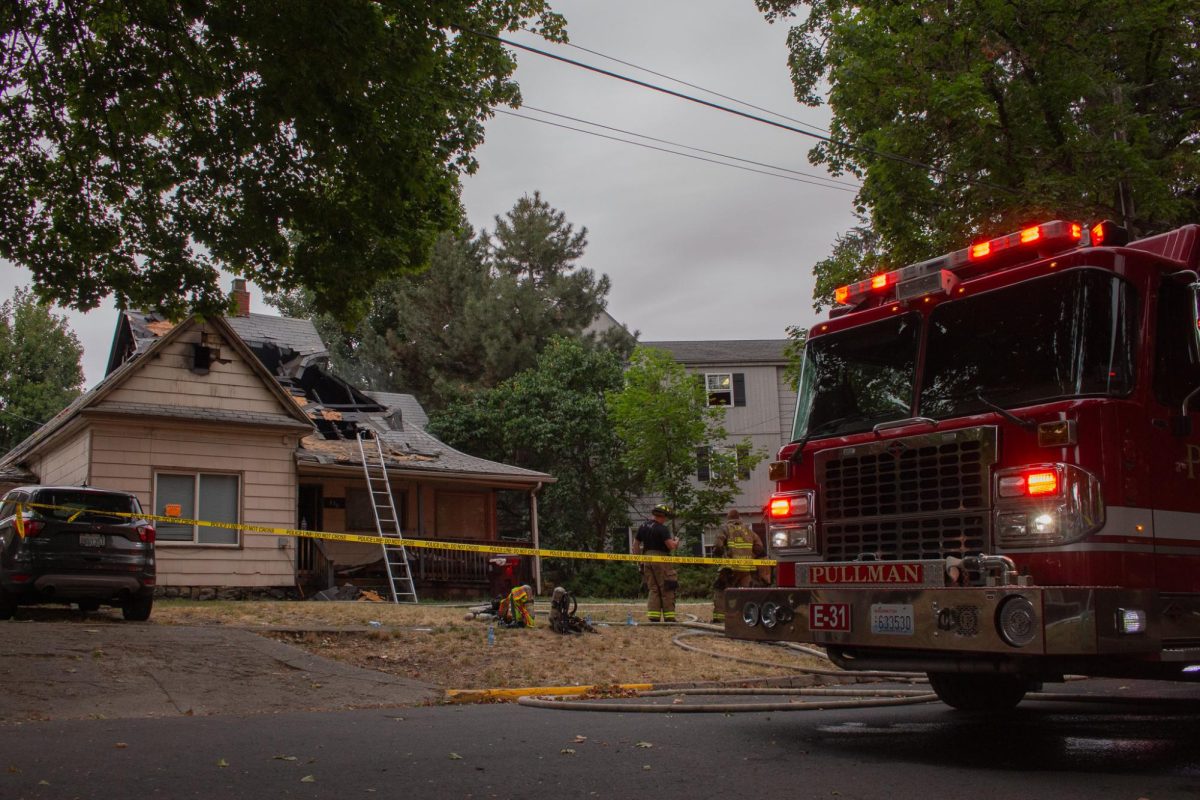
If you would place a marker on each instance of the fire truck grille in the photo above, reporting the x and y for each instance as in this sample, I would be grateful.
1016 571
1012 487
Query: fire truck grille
904 539
923 496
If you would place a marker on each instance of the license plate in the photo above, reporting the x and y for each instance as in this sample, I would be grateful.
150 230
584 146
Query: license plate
892 619
91 540
829 617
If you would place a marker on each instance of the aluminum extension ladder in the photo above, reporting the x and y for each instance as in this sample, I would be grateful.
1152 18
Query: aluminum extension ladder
387 522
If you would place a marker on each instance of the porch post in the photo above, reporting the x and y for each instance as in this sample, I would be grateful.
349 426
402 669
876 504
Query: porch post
537 560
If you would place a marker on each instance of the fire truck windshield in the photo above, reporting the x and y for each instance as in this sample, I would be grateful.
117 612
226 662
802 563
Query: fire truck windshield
857 378
1066 335
1069 334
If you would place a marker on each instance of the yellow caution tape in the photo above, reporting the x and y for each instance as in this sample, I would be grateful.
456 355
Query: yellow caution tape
430 544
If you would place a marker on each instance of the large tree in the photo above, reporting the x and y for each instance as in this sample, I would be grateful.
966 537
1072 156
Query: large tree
40 370
553 418
1021 109
667 430
300 143
484 310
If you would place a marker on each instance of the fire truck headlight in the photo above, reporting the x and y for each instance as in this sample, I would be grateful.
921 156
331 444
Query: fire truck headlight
1017 620
750 614
797 537
1131 620
1044 524
770 615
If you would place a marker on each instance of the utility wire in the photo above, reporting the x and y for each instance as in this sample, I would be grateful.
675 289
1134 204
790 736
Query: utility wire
673 152
18 416
701 88
689 147
912 162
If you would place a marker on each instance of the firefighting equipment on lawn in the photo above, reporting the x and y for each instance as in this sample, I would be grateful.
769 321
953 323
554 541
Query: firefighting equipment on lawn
516 610
563 618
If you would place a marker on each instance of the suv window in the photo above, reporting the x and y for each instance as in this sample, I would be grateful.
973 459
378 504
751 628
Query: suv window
82 506
10 504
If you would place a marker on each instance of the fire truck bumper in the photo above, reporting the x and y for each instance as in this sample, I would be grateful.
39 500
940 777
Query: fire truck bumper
989 621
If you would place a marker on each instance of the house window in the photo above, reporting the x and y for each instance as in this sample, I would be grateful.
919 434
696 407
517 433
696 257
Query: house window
199 495
725 388
739 455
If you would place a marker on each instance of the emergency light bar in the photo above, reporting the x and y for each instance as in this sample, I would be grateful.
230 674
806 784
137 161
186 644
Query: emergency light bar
938 274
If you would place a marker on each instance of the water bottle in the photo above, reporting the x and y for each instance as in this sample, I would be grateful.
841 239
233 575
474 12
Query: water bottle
629 619
491 635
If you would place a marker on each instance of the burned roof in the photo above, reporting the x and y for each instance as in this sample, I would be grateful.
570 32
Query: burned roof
413 450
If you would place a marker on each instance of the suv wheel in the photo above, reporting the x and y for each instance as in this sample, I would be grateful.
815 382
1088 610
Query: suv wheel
138 610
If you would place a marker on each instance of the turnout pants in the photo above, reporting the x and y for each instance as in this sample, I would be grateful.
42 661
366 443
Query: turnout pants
662 581
736 580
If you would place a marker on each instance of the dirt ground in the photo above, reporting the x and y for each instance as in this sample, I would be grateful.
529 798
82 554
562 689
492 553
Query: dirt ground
435 645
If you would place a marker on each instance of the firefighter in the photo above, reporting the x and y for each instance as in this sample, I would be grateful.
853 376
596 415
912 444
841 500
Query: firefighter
654 538
736 540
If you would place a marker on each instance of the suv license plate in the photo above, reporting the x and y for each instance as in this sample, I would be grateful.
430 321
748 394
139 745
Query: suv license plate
91 540
892 619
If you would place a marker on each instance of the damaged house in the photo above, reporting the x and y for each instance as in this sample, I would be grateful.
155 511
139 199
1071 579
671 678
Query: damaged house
240 420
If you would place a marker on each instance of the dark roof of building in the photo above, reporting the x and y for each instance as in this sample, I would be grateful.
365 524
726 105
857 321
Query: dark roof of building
409 407
285 332
732 351
412 449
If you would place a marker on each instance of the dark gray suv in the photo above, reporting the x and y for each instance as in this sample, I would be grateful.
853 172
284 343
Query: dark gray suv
79 551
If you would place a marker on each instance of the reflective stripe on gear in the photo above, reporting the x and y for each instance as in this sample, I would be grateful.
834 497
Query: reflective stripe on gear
739 543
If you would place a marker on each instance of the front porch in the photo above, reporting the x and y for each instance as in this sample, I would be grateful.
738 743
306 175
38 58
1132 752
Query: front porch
460 509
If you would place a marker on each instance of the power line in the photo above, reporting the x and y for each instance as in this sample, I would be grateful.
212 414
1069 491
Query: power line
18 416
912 162
672 152
689 147
701 88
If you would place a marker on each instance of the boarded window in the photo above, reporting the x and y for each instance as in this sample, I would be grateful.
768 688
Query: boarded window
462 515
361 517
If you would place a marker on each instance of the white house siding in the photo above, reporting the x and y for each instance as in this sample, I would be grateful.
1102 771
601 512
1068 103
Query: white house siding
66 464
758 421
127 455
787 407
230 384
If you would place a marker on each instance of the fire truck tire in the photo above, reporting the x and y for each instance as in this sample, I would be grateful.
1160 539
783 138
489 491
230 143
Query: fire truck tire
979 693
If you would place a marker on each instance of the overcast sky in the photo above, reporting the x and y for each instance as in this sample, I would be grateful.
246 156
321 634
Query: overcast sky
694 250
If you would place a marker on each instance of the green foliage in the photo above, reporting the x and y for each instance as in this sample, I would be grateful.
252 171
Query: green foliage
483 311
300 143
664 422
794 352
621 580
1025 110
553 418
40 372
610 579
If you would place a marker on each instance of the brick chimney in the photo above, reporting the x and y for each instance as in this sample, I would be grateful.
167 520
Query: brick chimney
241 298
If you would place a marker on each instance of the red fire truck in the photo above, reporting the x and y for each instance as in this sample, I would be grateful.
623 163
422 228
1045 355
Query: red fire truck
994 476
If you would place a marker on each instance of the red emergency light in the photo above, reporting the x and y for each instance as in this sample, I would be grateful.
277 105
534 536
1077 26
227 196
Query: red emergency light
915 280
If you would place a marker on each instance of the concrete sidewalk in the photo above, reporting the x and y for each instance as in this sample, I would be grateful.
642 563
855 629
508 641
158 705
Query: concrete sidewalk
58 670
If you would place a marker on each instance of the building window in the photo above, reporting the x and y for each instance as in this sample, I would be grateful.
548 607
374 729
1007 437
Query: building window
738 458
725 388
198 495
720 388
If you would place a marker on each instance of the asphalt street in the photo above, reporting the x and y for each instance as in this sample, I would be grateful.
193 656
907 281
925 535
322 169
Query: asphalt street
116 711
507 751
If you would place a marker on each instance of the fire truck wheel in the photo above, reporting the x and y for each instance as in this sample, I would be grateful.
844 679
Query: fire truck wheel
979 693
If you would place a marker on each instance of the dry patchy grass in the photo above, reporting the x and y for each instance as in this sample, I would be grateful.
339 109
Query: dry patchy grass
434 644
